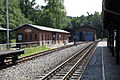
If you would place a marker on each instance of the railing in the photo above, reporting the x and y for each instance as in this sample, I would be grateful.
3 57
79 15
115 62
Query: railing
21 45
18 45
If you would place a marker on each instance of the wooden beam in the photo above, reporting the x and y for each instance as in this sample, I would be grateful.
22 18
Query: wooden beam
112 42
117 46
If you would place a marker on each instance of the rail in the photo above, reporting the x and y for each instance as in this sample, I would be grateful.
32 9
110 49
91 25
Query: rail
77 64
61 66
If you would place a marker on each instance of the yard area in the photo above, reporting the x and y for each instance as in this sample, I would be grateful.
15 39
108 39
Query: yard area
34 50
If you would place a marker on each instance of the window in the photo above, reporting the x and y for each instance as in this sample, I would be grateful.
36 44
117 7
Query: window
28 36
42 37
20 37
35 36
45 36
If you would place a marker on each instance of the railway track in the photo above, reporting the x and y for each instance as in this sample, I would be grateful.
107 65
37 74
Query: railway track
27 58
72 68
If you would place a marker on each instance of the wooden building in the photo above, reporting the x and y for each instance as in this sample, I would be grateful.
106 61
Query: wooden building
40 34
85 33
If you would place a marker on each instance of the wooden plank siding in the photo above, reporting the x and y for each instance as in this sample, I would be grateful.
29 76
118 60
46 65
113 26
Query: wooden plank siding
31 34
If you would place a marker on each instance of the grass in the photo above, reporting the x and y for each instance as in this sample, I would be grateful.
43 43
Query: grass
31 51
13 41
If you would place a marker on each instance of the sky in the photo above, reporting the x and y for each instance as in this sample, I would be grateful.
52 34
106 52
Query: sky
79 7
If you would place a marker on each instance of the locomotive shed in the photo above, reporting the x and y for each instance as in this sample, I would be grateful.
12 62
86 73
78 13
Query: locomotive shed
85 33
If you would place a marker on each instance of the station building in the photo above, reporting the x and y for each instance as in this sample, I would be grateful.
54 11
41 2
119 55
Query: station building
40 34
85 33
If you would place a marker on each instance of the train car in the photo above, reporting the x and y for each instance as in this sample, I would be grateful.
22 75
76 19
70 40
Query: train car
40 34
85 33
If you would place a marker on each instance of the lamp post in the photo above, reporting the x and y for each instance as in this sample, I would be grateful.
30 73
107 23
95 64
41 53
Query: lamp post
8 45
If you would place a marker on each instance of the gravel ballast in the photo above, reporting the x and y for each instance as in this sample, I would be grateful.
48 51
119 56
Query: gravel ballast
33 68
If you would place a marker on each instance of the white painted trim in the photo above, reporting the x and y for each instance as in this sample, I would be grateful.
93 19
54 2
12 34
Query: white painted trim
103 68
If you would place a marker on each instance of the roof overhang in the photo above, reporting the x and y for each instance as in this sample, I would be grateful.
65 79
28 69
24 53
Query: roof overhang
111 14
43 28
3 29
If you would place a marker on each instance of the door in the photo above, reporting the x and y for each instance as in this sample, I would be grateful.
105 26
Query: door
28 37
88 36
77 36
54 37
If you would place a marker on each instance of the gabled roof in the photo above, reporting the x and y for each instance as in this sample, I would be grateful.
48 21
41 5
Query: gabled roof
86 26
89 26
3 29
43 28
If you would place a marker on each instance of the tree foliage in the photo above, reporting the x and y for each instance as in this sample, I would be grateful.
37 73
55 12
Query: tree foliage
16 18
54 14
27 7
51 15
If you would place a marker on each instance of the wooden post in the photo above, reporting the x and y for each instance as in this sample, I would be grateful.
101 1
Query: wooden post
8 33
108 41
117 46
14 59
110 38
112 42
2 60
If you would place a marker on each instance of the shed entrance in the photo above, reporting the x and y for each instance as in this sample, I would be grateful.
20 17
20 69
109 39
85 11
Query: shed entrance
79 36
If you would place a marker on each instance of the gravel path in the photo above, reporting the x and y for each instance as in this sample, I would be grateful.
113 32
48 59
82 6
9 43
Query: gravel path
31 69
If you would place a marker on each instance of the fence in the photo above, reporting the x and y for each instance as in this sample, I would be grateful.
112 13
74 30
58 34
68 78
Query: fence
21 45
18 45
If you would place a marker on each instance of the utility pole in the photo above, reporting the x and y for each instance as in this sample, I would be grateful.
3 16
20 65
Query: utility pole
8 44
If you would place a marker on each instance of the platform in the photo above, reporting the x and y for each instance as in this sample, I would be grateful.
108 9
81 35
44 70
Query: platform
10 54
102 65
7 52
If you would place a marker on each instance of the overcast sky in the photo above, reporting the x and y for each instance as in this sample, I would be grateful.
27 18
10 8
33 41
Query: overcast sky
79 7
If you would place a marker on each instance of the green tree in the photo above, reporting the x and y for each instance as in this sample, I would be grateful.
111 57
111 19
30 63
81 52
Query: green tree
27 7
54 14
16 18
